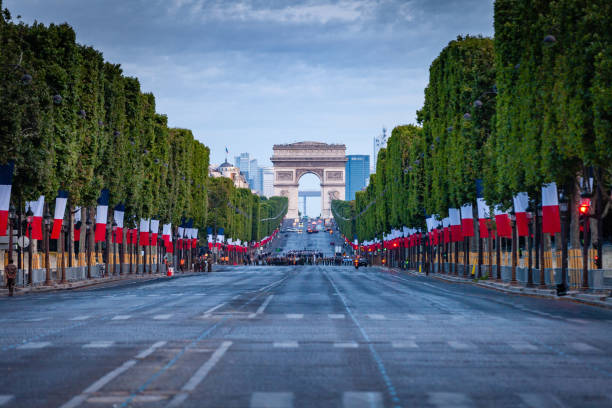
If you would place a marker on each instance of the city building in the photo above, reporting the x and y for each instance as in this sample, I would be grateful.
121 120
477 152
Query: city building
254 176
230 171
243 162
267 181
357 174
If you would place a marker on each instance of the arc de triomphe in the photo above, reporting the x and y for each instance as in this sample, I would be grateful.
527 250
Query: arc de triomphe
326 161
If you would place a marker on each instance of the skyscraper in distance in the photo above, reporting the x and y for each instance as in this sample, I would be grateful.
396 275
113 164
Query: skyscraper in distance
357 174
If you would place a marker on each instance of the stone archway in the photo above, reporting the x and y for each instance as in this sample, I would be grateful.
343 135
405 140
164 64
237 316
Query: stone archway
326 161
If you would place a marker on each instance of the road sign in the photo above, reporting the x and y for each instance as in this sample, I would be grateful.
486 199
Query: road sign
23 241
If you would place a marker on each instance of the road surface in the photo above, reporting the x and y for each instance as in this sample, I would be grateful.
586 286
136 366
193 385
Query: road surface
303 336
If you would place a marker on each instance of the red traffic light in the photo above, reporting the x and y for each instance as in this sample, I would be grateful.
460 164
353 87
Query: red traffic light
585 204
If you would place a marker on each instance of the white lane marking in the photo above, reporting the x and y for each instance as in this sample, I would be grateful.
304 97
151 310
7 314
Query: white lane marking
80 318
34 345
579 346
522 346
376 316
272 400
404 344
5 399
286 344
354 399
199 375
263 306
146 353
347 344
37 319
415 317
579 321
96 386
533 400
336 316
458 345
207 313
121 317
450 400
294 316
163 316
99 344
116 399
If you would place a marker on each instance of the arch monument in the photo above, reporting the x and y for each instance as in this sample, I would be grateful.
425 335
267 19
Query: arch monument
326 161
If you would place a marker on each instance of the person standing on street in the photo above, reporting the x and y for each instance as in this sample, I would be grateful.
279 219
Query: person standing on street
11 275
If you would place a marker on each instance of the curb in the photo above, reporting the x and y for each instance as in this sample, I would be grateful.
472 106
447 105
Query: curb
574 296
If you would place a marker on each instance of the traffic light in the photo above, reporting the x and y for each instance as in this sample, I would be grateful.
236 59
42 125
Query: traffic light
585 204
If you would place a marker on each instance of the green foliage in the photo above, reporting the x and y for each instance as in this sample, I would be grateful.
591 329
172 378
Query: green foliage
105 133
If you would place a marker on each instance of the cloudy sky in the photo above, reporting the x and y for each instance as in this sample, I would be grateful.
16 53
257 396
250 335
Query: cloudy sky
252 73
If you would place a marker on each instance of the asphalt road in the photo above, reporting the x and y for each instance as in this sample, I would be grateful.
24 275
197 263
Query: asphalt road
305 336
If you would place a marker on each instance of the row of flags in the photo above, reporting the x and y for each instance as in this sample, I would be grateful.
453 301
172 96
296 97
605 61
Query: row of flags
235 245
460 223
146 235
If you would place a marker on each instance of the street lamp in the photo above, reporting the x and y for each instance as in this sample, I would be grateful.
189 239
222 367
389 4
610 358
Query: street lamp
47 219
28 221
563 207
88 245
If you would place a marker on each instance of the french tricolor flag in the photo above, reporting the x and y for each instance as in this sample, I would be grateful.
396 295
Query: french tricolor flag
60 210
502 221
467 220
181 233
144 232
167 237
455 224
118 215
446 229
77 224
101 216
521 202
551 221
6 183
154 231
483 217
36 222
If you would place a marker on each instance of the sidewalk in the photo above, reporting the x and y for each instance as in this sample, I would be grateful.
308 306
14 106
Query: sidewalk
601 300
91 282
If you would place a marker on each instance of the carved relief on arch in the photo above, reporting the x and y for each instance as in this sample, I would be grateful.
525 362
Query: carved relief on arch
300 172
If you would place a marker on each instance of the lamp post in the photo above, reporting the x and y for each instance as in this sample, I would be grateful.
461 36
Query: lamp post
586 192
88 243
563 207
529 245
12 217
29 218
62 252
513 280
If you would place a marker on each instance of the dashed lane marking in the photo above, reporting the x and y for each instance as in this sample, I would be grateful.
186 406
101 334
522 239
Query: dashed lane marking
163 316
294 316
199 375
347 344
286 344
272 400
522 346
34 345
583 347
80 318
96 386
208 313
458 345
450 400
146 353
121 317
99 344
376 316
404 344
336 316
415 317
5 399
533 400
354 399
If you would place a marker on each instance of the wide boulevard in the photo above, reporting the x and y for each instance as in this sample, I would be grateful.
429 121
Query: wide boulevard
302 336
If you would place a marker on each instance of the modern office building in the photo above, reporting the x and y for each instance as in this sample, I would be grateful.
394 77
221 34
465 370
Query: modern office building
267 181
243 162
357 174
254 176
